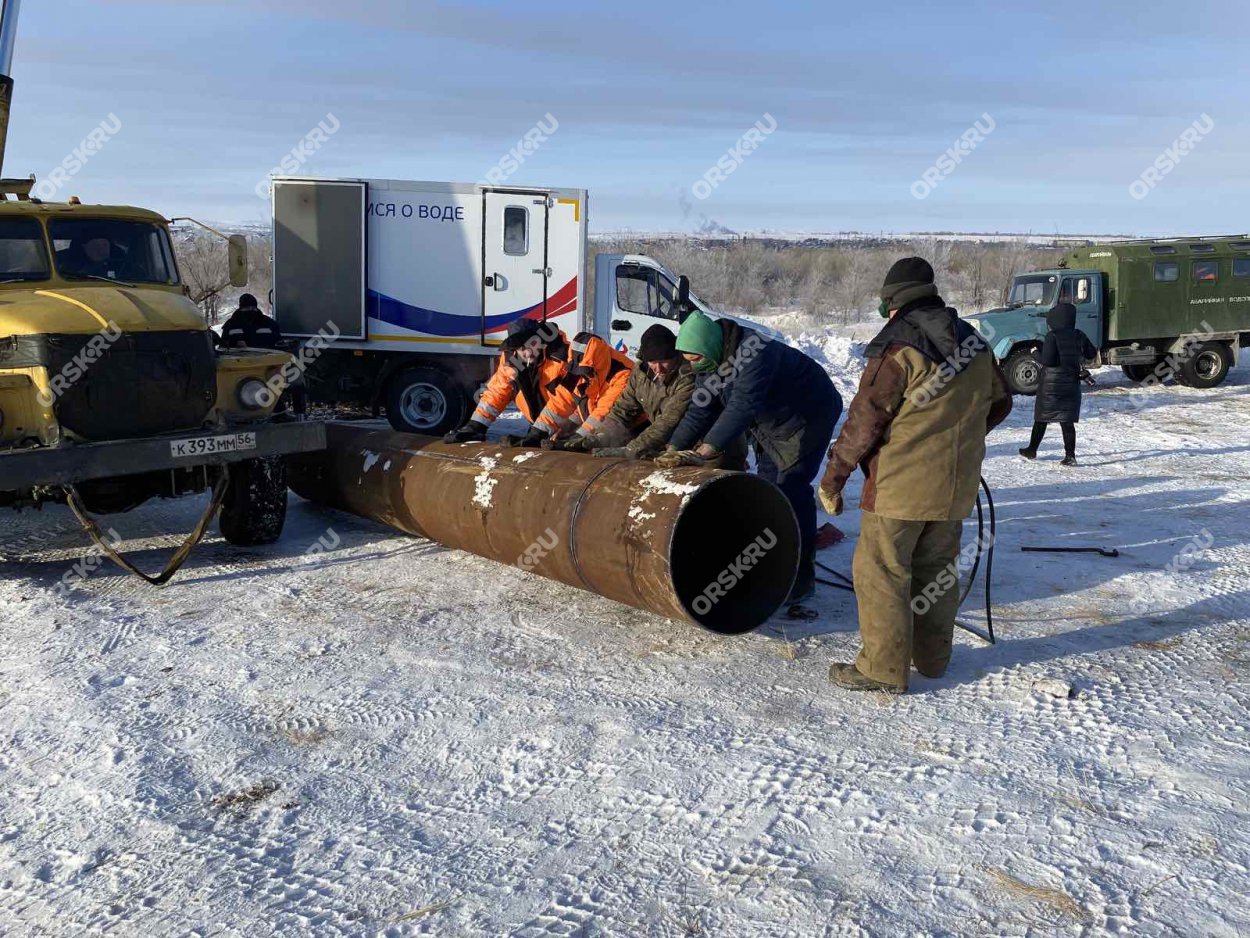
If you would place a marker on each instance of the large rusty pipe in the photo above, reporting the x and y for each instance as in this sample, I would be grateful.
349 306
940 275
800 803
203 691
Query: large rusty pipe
719 549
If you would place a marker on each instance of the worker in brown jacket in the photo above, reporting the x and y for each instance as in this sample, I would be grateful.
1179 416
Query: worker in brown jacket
930 393
653 402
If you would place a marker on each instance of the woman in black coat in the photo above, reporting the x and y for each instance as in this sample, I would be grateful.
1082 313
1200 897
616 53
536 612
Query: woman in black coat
1059 397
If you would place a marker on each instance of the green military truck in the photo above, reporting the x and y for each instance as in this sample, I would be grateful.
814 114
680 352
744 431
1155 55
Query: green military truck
1175 308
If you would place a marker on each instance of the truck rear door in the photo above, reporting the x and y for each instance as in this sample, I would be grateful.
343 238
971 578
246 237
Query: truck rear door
514 260
319 256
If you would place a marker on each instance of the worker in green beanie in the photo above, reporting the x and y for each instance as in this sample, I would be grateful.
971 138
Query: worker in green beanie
750 386
701 336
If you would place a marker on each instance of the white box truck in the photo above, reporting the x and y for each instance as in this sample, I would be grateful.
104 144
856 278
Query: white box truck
416 283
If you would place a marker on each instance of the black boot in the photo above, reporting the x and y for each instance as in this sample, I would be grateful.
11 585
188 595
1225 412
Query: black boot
1028 453
1068 460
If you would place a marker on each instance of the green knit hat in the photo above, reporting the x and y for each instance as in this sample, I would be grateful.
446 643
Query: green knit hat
702 335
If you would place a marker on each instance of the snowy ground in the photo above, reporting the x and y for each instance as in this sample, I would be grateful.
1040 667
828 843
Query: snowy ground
391 737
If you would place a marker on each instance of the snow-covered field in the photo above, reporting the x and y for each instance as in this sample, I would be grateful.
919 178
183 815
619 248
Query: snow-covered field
392 737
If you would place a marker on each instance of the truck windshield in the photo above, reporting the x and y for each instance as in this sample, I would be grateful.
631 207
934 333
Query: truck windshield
23 255
112 249
1035 290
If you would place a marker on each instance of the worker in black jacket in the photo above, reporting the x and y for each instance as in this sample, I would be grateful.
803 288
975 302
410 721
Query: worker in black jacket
248 327
1059 398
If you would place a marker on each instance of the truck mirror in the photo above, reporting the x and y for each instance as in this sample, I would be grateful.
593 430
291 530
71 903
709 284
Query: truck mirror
237 260
683 298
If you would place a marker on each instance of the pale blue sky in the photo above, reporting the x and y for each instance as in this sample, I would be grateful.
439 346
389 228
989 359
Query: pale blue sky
866 97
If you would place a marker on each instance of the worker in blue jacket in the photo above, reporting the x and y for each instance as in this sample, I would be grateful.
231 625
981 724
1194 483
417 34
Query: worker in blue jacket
748 384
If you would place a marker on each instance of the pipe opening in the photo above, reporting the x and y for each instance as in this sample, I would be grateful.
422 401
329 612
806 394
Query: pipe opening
735 553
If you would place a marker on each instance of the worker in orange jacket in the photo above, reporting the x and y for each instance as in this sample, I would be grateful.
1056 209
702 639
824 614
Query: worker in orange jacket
595 380
558 386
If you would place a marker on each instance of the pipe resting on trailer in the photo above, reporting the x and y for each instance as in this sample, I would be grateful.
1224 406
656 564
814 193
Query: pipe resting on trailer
719 549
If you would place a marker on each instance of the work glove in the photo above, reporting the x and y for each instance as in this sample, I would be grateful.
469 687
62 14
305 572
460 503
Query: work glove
471 432
830 501
532 440
574 444
671 459
616 452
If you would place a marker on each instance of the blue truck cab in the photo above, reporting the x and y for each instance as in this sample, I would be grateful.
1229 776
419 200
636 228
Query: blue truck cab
1016 331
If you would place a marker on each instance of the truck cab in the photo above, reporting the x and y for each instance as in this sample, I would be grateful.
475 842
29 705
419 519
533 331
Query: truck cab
634 292
1016 331
110 383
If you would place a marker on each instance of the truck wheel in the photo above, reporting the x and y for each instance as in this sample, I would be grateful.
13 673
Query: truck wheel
424 400
1138 373
1024 371
1207 367
253 511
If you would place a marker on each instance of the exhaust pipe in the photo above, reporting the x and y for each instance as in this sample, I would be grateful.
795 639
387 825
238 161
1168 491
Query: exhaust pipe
718 549
8 34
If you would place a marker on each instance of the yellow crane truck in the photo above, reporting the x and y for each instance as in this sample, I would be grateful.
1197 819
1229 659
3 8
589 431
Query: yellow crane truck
112 391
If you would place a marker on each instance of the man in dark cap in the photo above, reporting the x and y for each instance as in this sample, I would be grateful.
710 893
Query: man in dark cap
649 409
248 327
930 393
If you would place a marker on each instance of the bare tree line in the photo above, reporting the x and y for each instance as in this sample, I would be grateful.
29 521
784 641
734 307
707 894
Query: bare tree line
834 282
202 263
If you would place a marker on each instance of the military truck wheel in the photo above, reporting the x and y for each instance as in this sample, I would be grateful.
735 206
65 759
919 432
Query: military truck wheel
253 511
1207 367
1138 373
425 400
1024 371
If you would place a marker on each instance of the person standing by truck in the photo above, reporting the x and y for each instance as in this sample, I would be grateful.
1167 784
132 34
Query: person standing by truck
749 384
1059 396
248 327
596 378
930 393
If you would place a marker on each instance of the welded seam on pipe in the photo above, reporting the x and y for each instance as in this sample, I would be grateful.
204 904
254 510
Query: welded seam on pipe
573 516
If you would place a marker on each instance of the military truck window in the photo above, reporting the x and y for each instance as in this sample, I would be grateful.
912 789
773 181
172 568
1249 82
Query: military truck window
1033 291
23 255
1167 271
516 230
1163 249
1201 248
1241 266
1206 271
1075 290
111 249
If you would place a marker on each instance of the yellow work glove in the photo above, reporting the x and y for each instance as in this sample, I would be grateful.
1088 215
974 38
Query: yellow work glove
831 501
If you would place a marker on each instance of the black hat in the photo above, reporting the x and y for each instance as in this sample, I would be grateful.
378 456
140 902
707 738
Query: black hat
1061 316
908 279
247 301
658 344
520 331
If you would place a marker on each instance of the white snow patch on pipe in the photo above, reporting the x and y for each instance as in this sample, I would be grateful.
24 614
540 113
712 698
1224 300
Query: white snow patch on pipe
483 484
371 459
523 457
660 483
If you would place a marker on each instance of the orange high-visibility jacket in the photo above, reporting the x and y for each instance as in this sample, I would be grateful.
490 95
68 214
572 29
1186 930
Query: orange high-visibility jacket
595 380
531 387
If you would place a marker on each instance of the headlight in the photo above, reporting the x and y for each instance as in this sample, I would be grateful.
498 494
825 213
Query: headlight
254 394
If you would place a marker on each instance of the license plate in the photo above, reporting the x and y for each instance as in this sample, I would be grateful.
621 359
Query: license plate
208 445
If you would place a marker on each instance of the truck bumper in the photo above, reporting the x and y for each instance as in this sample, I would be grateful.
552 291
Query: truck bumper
74 463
